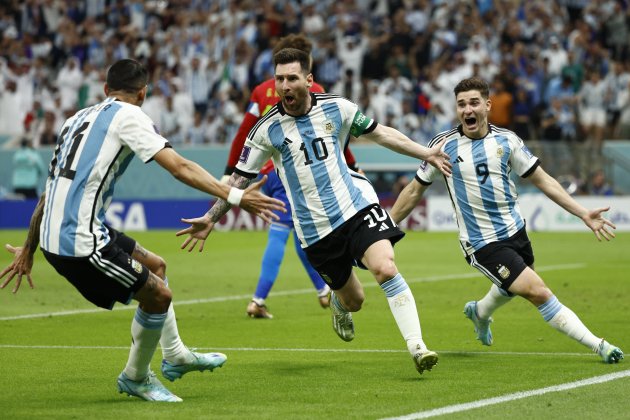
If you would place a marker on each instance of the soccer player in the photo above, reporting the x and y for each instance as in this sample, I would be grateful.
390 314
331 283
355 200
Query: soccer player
492 231
263 98
340 222
94 148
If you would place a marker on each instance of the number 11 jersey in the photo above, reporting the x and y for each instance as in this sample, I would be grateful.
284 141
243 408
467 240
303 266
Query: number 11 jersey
94 148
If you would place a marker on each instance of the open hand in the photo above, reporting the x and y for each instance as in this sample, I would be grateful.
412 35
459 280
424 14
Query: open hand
198 231
599 224
440 159
261 205
21 266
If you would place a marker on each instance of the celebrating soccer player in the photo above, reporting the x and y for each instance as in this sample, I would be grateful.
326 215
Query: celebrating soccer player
492 231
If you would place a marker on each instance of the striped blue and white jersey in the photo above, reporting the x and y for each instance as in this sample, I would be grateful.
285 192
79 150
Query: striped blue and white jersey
94 148
483 195
307 152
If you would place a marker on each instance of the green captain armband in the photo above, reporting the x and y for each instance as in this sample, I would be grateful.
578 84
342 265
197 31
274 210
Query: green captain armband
359 124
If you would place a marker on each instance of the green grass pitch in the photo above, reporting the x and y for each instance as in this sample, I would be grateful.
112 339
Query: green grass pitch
60 359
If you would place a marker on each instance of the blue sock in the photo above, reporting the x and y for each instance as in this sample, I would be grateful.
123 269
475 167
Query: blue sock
316 279
550 308
272 258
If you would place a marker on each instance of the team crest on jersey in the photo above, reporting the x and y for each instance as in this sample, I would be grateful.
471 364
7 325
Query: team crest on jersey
329 126
245 154
500 152
503 271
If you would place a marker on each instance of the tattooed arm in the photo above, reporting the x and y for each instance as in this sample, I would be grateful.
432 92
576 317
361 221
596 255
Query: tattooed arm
200 227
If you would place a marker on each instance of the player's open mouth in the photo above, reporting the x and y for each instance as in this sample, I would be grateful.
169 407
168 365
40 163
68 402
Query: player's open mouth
289 99
470 121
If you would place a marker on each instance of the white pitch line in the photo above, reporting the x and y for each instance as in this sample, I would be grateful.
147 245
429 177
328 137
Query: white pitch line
428 279
457 408
301 350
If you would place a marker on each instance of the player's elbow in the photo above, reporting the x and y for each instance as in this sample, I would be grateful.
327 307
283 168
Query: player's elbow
182 170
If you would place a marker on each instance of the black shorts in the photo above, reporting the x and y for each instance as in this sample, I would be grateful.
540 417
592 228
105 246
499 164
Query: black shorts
107 276
334 255
503 261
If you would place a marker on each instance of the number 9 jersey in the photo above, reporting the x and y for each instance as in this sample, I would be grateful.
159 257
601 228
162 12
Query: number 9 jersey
307 152
94 148
483 195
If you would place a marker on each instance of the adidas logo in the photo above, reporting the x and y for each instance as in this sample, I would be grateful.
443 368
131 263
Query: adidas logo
459 159
383 227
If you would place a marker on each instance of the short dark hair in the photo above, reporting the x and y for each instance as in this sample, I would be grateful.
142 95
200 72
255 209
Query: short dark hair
297 41
127 75
473 83
292 55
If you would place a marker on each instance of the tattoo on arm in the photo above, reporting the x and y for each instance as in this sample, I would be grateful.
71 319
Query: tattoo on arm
140 250
221 206
32 238
152 283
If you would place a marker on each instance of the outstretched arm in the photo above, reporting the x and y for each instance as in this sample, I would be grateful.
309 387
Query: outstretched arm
395 140
591 218
407 200
190 173
23 256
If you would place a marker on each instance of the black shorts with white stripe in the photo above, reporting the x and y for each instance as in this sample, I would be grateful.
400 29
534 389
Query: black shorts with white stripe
334 256
107 276
503 261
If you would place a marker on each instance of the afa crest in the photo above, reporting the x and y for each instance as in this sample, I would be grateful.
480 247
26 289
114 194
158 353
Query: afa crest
503 271
500 152
329 126
137 267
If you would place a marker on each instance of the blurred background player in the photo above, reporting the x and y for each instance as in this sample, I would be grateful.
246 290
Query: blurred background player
491 229
262 99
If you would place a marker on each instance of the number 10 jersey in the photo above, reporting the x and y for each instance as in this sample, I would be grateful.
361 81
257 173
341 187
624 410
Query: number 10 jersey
307 152
94 148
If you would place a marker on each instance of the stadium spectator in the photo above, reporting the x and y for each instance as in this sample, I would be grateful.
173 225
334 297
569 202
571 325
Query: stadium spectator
598 185
46 134
502 104
592 110
616 83
558 57
340 222
348 86
494 240
105 265
69 81
28 170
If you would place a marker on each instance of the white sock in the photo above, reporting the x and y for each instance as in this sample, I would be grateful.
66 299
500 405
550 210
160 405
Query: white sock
146 330
173 349
403 307
493 300
566 321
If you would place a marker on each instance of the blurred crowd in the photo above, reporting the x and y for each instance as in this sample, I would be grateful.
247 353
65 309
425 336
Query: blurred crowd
559 70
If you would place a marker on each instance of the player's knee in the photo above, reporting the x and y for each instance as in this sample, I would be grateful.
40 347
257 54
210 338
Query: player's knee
162 299
384 270
354 304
